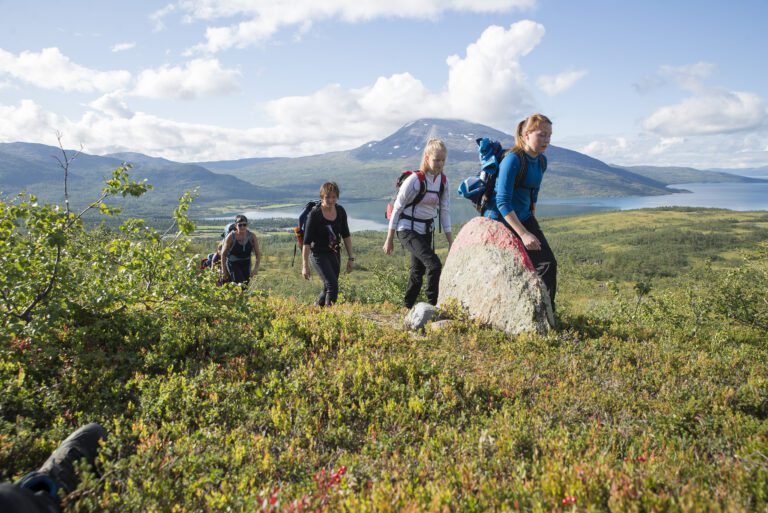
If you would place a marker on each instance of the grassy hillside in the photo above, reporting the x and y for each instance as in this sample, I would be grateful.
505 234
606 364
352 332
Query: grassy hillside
652 395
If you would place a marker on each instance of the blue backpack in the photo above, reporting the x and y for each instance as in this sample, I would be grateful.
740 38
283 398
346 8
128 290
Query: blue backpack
228 229
480 189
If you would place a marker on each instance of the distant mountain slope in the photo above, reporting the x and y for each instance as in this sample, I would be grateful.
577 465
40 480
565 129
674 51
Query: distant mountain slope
370 170
678 175
363 173
753 172
32 168
225 165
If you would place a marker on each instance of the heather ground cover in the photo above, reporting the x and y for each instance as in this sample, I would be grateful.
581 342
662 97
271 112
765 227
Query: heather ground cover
652 394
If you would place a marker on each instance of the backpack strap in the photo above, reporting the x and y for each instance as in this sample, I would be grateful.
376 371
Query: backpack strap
443 181
422 177
419 196
422 189
523 171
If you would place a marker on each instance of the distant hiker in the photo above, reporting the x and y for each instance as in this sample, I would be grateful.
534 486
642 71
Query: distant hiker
212 260
516 195
325 229
236 253
419 200
216 257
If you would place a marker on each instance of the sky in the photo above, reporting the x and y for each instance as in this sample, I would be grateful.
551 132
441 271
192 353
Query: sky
651 82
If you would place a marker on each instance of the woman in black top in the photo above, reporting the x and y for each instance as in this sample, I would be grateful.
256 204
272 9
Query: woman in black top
236 253
325 229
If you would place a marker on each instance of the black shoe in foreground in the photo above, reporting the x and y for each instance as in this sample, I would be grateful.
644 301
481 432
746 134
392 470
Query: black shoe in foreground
58 471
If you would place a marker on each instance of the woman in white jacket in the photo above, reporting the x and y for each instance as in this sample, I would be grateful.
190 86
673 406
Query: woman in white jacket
413 220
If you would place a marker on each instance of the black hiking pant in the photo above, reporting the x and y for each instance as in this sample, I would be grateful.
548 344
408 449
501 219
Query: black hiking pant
423 260
328 267
239 270
543 259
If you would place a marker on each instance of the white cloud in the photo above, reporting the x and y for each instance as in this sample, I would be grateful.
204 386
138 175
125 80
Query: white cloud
199 77
157 17
122 47
49 69
489 85
400 98
556 84
334 118
111 127
28 122
604 147
102 131
665 144
486 85
263 18
112 104
713 111
689 77
702 152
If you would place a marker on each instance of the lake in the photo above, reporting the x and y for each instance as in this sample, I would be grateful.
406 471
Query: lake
369 215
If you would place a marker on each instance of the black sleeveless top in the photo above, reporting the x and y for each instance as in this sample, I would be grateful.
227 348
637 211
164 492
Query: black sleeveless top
238 252
324 236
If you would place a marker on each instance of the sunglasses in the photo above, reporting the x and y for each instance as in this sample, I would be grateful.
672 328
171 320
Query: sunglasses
242 224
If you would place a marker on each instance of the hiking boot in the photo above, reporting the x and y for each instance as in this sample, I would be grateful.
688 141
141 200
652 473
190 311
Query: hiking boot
58 471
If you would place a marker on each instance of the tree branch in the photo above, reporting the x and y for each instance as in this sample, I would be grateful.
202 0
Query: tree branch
65 166
26 315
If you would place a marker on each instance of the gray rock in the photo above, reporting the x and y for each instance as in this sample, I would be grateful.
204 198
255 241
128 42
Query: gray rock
419 316
491 276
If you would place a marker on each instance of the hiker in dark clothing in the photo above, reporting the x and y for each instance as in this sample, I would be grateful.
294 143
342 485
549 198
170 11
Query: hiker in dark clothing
37 491
515 205
325 229
236 253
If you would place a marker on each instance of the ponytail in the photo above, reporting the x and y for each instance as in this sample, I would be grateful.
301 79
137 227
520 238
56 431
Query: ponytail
529 124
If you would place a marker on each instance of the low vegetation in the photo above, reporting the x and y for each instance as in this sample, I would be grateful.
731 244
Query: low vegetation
652 394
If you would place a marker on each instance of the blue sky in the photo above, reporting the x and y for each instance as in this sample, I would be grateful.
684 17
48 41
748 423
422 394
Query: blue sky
653 82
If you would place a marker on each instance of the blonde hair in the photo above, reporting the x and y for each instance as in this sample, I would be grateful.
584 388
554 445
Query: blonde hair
529 124
327 188
431 148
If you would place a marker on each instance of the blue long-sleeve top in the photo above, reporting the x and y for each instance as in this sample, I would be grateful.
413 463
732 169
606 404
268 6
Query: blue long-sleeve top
509 198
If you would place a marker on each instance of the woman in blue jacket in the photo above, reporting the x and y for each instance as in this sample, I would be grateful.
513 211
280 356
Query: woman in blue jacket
517 193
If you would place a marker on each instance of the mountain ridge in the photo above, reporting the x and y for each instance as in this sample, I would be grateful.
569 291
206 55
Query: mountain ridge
367 172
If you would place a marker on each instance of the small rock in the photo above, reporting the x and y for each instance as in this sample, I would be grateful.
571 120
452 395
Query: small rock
419 316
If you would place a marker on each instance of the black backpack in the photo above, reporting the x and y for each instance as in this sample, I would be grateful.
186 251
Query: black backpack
298 230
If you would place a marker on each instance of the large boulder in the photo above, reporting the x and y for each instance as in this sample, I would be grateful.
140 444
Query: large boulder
489 273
